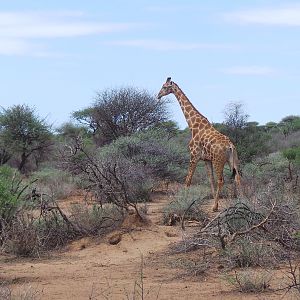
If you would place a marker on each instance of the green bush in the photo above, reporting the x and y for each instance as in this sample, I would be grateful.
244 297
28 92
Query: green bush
292 154
163 157
247 253
11 189
264 169
54 182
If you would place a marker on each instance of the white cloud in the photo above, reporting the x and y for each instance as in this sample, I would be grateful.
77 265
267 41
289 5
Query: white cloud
20 32
288 16
163 45
13 47
249 70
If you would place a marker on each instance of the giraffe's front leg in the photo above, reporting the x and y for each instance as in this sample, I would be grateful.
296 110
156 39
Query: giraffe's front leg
218 166
193 164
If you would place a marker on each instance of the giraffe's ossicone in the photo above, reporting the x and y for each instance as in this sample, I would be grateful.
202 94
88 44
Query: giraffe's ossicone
207 143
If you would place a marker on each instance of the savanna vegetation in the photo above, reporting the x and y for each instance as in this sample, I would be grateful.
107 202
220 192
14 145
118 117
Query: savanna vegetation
120 150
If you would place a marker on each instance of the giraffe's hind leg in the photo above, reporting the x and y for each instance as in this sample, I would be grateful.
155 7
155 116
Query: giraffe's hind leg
210 173
218 167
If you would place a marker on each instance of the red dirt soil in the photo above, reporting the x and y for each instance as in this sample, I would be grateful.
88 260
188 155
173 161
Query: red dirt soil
93 269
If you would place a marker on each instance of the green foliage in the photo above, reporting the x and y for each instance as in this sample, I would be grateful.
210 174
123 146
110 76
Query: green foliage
288 125
164 158
24 134
253 142
121 112
170 128
246 253
270 165
249 138
292 154
9 193
69 131
55 182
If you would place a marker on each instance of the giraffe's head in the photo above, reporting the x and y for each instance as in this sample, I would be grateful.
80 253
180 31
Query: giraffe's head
166 89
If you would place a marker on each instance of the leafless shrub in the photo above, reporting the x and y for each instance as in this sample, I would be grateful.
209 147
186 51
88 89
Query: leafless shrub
5 292
251 281
270 215
24 293
279 142
31 235
186 206
194 267
294 277
96 220
121 112
111 178
291 284
258 231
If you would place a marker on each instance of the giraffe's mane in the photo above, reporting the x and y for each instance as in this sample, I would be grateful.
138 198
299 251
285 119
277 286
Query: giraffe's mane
202 116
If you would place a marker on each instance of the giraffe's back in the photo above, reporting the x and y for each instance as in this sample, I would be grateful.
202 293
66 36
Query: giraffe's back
212 144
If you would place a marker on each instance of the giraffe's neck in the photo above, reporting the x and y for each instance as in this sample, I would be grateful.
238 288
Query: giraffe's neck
190 112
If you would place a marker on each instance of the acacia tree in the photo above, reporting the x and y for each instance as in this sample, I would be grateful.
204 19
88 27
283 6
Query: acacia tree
24 134
293 157
121 112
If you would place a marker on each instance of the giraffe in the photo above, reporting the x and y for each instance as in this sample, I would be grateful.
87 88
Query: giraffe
206 144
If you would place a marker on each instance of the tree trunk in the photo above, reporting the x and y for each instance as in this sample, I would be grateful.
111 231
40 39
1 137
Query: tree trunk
23 162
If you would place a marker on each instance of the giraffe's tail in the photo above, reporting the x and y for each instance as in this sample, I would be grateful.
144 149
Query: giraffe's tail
233 163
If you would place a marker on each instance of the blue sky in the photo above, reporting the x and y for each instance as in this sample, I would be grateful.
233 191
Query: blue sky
55 55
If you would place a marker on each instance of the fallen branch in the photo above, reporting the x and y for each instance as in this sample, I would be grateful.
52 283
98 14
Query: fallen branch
260 224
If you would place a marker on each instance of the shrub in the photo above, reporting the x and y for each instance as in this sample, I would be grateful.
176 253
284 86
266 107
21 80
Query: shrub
54 182
251 281
125 171
33 236
12 190
121 112
293 157
250 253
163 157
95 220
186 203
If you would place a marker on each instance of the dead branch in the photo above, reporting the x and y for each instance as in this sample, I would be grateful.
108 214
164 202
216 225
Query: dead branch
260 224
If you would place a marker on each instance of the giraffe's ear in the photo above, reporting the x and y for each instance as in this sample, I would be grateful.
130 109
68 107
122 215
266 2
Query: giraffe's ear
168 79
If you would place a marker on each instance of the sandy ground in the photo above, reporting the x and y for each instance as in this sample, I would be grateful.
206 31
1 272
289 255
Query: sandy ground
94 269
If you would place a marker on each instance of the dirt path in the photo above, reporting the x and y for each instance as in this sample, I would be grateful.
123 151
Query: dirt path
90 269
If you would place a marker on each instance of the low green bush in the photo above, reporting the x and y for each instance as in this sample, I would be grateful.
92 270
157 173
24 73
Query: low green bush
246 253
12 190
54 182
163 157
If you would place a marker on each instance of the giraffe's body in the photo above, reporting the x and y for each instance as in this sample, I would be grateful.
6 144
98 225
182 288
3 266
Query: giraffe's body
207 143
